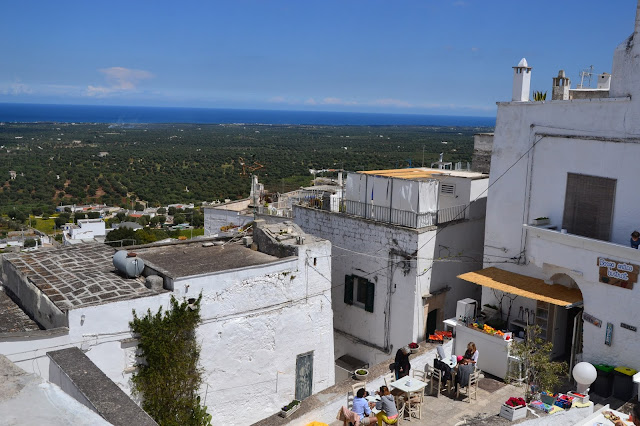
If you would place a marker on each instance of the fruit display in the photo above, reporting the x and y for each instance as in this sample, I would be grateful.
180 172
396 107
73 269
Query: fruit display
488 329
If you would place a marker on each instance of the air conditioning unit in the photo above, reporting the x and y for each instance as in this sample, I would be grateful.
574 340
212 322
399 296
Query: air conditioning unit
466 308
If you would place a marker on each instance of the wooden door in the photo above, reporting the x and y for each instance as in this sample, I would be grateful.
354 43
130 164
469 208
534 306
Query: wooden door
304 376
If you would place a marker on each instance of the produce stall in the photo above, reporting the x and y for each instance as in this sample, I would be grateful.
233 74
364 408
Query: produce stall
492 345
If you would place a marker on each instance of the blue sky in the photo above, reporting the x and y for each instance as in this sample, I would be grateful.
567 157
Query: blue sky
423 57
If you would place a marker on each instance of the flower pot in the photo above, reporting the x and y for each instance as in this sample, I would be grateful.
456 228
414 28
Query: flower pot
414 350
290 411
362 376
513 413
540 222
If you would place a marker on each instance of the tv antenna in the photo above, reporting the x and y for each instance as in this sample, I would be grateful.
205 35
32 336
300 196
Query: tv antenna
585 74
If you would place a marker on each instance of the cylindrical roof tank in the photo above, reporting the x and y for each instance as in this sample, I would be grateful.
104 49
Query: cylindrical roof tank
128 263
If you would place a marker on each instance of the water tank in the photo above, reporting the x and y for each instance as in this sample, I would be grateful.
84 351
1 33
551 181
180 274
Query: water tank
154 282
128 263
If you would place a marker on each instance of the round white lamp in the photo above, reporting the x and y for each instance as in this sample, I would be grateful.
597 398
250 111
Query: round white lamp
584 374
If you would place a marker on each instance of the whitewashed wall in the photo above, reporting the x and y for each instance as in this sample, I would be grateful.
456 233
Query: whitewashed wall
568 138
255 322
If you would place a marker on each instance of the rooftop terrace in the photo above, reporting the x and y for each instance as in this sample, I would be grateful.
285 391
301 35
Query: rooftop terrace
187 259
421 173
74 277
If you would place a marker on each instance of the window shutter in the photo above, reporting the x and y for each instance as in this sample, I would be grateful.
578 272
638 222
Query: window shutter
348 289
371 291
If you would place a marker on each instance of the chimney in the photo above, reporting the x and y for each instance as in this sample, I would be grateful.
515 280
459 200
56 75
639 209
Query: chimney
521 81
561 87
604 81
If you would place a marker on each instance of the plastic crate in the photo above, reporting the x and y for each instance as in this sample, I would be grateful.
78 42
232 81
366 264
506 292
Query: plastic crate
549 399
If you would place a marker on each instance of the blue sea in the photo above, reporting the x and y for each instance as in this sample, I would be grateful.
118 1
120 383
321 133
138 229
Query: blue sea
31 113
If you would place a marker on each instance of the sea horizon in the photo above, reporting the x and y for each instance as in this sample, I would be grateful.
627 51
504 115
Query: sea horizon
65 113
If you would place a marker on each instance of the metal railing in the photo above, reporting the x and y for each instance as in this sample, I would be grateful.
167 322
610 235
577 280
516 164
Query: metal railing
403 217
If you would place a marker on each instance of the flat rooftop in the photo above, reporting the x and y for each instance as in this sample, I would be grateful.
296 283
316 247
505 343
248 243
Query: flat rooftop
421 173
187 259
78 276
12 318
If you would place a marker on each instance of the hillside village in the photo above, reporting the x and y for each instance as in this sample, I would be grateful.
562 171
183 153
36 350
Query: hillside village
307 298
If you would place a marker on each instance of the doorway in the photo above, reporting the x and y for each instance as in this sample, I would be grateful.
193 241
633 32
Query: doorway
432 322
304 376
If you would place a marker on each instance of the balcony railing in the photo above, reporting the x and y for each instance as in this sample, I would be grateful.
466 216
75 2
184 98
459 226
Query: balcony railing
403 217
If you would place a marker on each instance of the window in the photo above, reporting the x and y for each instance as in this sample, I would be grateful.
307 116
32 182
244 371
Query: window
363 290
588 206
447 189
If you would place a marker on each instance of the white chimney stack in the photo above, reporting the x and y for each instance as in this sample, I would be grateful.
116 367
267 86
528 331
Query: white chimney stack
521 81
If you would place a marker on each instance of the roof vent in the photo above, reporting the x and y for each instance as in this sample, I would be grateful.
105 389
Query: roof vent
448 189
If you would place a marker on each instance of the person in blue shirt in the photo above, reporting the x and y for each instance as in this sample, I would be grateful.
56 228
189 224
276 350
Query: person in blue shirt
635 239
362 409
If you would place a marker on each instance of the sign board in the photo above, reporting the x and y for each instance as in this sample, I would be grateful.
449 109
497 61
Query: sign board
620 274
593 320
609 335
628 327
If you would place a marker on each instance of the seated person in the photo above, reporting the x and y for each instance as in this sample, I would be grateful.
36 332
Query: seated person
471 355
635 240
464 371
361 408
387 405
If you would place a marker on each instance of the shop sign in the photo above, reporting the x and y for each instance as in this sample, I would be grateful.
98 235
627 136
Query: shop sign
593 320
609 335
620 274
628 327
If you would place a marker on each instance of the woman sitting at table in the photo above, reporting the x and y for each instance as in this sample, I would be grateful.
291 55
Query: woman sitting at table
387 404
471 355
361 408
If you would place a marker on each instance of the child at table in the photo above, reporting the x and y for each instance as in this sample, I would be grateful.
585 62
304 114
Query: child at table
387 404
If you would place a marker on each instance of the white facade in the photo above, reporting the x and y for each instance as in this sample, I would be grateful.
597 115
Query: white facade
412 270
255 322
536 146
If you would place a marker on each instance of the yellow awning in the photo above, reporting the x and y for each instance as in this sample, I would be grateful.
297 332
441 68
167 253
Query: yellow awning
522 285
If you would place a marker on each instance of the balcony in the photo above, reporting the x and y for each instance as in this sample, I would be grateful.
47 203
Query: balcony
404 217
548 247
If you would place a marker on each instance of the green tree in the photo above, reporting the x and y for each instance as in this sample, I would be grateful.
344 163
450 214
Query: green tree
120 234
162 210
169 378
61 219
29 242
93 215
139 207
179 218
172 211
540 372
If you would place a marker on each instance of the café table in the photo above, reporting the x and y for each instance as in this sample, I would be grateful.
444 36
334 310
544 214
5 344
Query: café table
408 384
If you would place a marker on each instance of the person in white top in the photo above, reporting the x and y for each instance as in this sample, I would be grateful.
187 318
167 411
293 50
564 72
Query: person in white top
471 355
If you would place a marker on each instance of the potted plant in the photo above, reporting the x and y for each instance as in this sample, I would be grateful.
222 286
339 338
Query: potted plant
541 221
414 347
514 408
362 374
290 408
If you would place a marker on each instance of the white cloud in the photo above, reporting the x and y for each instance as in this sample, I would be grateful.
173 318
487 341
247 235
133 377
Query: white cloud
119 79
310 101
393 102
16 88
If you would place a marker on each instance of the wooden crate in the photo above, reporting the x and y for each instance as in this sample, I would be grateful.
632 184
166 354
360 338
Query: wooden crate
512 414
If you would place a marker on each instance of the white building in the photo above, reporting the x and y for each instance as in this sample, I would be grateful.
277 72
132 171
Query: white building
84 230
575 163
266 331
398 244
